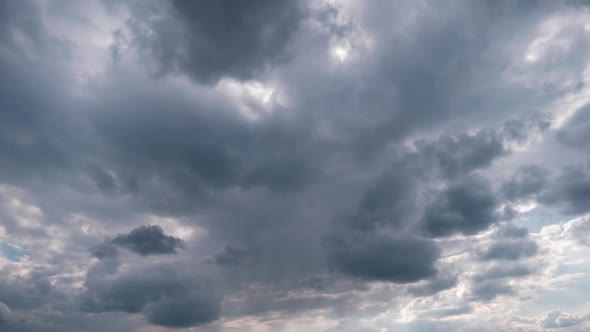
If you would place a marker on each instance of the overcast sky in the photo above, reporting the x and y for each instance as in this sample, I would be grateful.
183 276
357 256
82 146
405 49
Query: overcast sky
294 165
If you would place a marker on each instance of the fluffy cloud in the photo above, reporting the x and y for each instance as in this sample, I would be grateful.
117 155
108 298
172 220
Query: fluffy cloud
147 240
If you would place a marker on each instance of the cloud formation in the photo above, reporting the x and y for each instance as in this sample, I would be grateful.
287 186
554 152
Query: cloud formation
281 165
148 240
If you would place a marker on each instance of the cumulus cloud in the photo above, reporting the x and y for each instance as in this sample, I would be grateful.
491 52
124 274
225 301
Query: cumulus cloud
215 39
383 257
163 296
147 240
467 207
557 319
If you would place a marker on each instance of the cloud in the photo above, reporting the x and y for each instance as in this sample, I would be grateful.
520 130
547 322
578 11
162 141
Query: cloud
511 243
148 240
490 289
574 133
182 311
299 190
527 181
466 207
104 250
510 250
557 319
229 256
159 292
215 39
383 257
500 271
570 190
459 155
440 283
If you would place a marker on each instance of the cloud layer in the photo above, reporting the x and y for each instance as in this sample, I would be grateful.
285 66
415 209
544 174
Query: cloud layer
290 165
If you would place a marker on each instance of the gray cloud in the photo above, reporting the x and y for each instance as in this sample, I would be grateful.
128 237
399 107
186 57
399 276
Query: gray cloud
440 283
229 256
383 257
159 292
510 250
490 289
511 243
570 190
215 39
459 155
148 240
574 133
104 250
465 207
183 311
493 282
527 181
388 126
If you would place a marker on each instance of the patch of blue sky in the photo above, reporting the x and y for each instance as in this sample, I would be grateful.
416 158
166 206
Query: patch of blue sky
539 217
571 297
13 252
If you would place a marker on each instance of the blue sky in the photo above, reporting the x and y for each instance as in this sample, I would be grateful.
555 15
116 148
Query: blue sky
12 252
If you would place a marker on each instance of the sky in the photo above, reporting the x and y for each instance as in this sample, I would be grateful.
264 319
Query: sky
294 165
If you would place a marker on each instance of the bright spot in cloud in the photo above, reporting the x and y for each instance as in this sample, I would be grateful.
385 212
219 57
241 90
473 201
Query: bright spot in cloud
253 98
341 53
532 56
525 207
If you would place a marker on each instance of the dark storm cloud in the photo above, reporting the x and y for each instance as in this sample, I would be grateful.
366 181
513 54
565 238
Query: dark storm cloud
164 138
148 240
383 257
165 297
393 196
209 40
466 207
185 310
173 155
388 201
